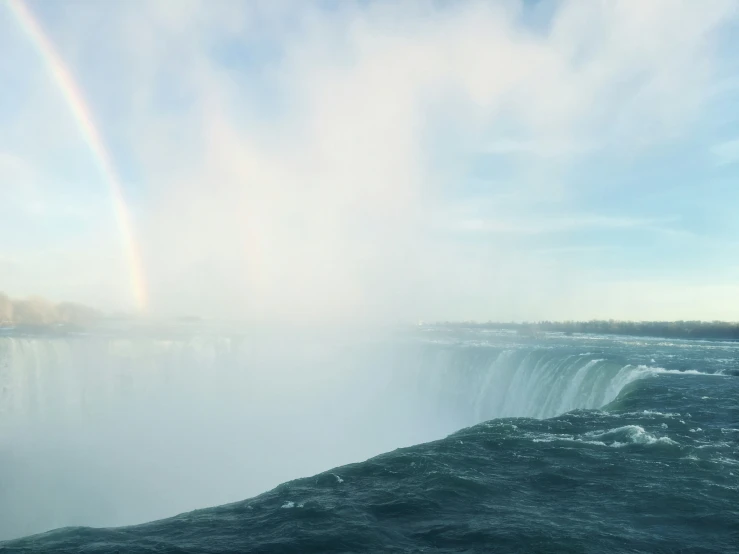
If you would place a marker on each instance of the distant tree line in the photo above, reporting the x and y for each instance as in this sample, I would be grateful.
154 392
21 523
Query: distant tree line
668 329
37 312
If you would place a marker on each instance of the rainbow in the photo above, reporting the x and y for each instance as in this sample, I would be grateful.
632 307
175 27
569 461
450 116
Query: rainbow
83 117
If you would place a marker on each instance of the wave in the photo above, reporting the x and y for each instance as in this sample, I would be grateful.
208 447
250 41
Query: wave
628 434
618 437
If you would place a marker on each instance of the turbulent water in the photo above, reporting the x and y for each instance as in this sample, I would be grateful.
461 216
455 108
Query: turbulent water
554 444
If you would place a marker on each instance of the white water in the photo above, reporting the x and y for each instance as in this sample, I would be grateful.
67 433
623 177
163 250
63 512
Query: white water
112 431
469 385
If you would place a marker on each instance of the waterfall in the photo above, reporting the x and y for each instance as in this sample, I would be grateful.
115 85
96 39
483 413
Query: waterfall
106 430
468 385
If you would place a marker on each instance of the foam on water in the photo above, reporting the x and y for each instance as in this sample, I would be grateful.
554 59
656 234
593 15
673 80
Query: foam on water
618 437
628 434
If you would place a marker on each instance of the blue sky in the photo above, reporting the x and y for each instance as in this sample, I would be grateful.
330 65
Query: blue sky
392 160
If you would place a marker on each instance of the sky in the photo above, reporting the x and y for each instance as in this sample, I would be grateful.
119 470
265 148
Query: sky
393 161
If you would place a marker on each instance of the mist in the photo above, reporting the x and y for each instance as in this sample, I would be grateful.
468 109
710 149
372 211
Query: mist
348 200
375 161
104 431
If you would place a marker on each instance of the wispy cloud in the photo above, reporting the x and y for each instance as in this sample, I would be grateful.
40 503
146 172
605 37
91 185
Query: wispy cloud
563 224
726 153
544 149
578 249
